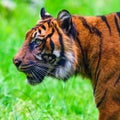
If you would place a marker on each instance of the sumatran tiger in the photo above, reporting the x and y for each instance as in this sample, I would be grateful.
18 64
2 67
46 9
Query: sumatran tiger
73 44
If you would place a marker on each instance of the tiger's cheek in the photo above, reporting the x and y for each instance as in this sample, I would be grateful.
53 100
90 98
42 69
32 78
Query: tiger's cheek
56 53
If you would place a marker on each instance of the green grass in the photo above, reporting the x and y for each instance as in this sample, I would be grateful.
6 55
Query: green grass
53 99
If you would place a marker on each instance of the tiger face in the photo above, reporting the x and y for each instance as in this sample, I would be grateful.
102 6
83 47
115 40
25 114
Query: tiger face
48 49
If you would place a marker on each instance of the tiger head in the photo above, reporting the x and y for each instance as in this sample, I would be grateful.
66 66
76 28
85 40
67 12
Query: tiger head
49 49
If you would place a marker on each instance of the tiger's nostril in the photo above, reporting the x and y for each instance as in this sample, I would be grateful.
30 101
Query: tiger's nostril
17 62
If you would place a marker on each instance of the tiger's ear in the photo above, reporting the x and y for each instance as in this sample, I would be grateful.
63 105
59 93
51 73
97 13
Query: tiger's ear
44 14
64 19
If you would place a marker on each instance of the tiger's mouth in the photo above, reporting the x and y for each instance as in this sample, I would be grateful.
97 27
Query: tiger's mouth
33 79
35 73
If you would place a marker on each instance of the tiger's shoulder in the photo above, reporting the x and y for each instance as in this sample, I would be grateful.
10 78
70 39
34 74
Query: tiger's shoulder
107 24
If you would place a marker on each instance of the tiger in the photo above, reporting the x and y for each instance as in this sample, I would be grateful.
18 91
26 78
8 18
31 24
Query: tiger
73 44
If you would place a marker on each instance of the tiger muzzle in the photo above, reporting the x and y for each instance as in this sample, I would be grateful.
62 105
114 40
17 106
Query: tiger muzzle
34 70
17 62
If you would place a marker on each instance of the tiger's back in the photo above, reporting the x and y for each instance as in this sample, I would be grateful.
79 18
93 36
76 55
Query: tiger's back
74 44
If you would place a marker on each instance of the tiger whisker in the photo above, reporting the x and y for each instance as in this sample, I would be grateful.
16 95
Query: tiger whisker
38 70
36 77
43 65
44 71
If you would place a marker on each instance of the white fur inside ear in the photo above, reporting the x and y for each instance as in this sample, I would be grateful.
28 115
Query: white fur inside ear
63 15
47 14
64 18
44 14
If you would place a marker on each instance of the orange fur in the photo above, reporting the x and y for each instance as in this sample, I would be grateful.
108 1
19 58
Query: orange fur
106 88
86 45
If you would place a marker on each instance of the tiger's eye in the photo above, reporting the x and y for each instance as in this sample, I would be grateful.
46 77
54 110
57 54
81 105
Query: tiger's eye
38 41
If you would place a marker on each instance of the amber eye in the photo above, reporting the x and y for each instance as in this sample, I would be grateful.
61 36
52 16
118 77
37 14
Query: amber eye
38 41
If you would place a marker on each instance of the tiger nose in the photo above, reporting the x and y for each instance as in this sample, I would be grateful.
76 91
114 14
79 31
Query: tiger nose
17 62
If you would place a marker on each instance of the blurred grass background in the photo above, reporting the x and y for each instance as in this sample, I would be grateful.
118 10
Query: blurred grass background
53 99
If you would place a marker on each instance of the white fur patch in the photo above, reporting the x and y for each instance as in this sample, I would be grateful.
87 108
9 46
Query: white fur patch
67 70
38 57
57 53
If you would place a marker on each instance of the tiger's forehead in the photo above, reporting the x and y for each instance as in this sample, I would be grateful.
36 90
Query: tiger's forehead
42 28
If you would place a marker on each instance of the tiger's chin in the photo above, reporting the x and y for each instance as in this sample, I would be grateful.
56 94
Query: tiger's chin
34 81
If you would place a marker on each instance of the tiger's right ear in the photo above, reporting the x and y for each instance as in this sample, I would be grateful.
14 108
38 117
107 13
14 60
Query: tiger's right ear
44 14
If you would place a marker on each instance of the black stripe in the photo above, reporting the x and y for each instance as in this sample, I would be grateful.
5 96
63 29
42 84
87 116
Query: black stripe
118 79
117 25
49 35
62 56
92 29
39 31
43 27
96 80
48 22
34 28
35 34
82 52
96 31
86 25
52 45
97 72
61 43
84 58
106 22
101 100
118 14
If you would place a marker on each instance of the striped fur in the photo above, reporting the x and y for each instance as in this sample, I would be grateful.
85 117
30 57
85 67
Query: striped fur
68 45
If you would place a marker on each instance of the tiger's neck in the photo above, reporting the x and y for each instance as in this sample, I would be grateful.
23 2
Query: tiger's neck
89 39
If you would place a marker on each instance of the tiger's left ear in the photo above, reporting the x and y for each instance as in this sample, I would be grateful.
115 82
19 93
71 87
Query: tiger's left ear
65 22
44 14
